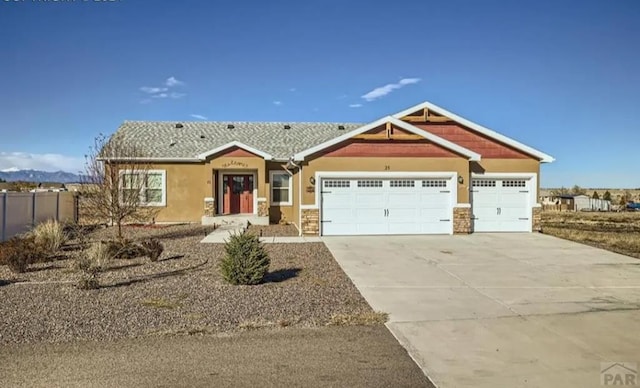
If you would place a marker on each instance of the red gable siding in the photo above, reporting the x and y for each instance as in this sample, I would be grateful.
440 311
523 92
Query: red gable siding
383 129
388 148
237 152
486 147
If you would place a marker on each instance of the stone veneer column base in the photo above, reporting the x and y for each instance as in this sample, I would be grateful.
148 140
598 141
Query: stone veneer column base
263 208
537 219
311 221
461 220
209 207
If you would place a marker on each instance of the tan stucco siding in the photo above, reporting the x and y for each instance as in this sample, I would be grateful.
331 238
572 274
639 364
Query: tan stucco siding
385 165
508 166
188 184
283 213
186 188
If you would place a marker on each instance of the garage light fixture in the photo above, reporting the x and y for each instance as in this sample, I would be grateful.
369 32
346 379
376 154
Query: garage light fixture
460 179
312 180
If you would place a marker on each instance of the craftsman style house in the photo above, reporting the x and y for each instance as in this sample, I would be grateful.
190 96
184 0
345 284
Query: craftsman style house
420 171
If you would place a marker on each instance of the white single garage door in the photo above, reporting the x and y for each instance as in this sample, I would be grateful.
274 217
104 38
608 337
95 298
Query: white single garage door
501 205
370 206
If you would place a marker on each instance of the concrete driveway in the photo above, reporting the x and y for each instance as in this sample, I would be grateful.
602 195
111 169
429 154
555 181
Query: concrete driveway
501 310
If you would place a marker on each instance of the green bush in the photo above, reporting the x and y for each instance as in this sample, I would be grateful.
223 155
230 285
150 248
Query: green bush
49 235
125 249
246 261
18 253
153 249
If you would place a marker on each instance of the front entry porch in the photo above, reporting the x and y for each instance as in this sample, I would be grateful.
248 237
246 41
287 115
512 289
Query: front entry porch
235 201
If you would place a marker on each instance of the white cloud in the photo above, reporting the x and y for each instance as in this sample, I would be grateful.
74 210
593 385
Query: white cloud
199 117
409 81
44 162
172 81
277 103
388 88
163 91
150 90
355 105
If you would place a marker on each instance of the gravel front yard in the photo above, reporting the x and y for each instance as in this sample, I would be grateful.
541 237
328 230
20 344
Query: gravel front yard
181 293
273 230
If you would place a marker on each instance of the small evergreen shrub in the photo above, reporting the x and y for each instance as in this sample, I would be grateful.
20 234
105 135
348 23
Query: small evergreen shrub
50 235
125 249
153 249
17 253
246 261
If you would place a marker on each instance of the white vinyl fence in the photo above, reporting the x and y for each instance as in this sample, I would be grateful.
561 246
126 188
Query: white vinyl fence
19 212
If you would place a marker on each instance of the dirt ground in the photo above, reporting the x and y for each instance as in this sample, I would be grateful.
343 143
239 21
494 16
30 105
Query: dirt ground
325 356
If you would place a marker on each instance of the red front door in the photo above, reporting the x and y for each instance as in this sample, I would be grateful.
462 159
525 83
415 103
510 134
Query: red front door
238 194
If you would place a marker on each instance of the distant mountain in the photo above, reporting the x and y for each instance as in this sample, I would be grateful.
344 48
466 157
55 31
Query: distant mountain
13 174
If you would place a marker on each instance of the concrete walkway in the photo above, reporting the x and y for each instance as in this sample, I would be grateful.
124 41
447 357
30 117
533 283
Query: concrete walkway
221 234
501 310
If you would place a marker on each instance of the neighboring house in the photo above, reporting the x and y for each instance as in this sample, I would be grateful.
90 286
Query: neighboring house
585 202
575 203
424 170
49 187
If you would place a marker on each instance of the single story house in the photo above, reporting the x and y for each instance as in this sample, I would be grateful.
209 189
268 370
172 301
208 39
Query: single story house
423 170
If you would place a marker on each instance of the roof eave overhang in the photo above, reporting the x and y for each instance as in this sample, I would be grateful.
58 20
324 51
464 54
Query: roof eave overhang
147 159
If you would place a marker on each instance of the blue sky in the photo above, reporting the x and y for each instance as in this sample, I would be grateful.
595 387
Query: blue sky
561 76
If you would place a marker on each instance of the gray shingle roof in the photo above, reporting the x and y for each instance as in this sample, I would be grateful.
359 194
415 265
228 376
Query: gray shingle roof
155 137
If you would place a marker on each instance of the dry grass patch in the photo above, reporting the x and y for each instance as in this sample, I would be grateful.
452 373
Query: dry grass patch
624 243
49 235
616 232
368 318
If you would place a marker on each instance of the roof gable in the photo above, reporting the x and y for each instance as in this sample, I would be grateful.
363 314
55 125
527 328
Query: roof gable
234 144
477 127
398 123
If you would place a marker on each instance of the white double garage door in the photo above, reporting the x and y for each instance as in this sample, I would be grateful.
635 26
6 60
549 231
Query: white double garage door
383 206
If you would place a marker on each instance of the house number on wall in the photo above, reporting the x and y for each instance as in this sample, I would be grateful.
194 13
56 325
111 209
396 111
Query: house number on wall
386 168
235 163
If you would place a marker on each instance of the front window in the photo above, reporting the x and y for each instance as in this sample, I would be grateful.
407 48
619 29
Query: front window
147 186
281 184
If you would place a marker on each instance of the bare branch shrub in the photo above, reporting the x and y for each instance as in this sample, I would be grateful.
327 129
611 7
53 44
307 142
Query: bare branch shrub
117 185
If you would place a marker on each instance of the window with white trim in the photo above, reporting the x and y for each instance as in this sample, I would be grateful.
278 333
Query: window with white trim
149 186
281 188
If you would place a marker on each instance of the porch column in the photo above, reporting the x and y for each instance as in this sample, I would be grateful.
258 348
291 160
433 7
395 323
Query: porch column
210 202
